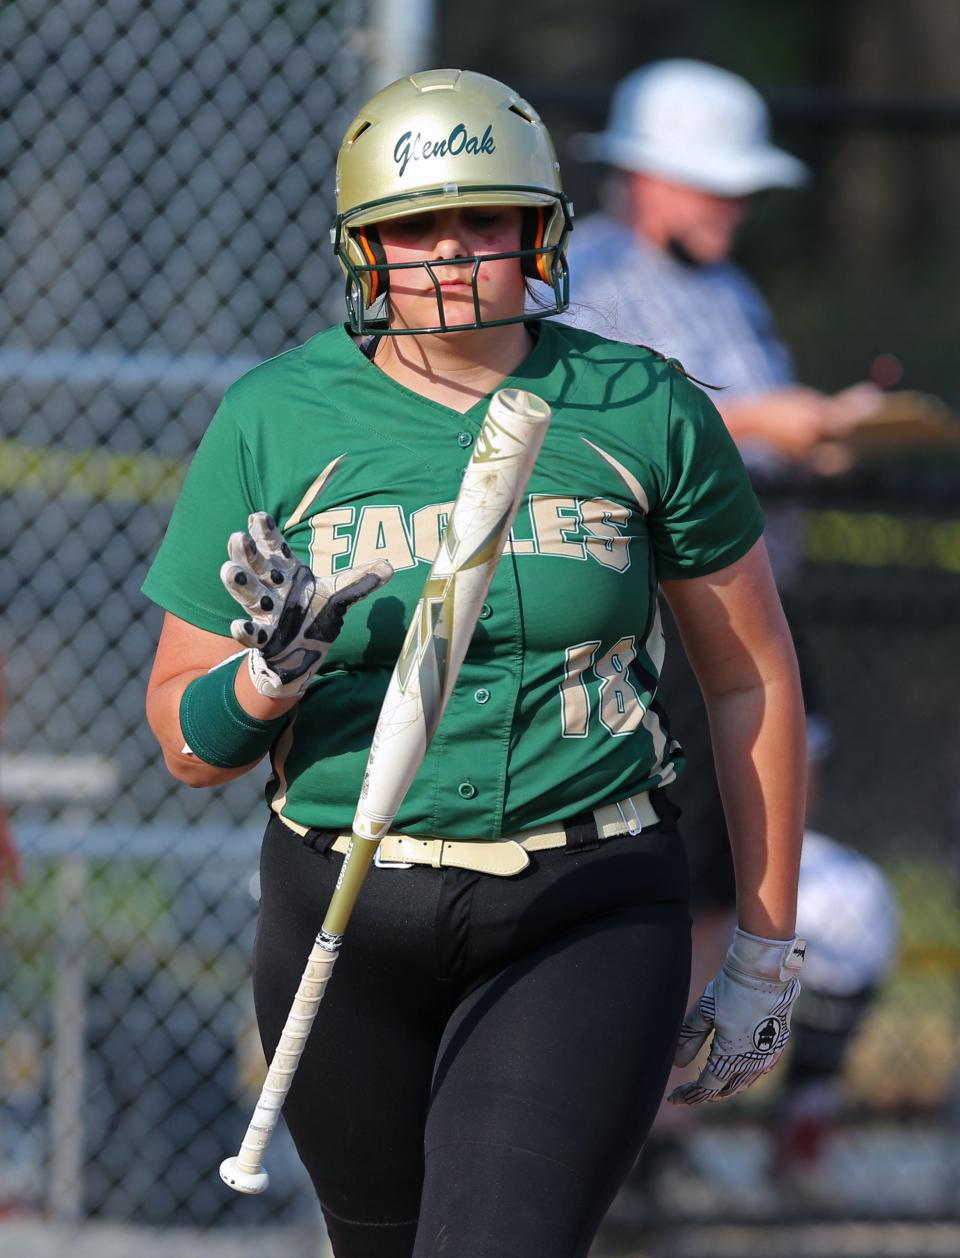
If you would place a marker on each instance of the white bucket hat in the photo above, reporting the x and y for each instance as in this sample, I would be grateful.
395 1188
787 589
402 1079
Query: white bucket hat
695 124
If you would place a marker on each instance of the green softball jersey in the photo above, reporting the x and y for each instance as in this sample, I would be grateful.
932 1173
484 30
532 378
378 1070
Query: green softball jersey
556 707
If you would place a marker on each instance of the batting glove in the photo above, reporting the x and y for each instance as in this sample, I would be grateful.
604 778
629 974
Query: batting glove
292 617
746 1009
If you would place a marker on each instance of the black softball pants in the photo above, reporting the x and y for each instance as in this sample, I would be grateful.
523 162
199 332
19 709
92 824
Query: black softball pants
490 1052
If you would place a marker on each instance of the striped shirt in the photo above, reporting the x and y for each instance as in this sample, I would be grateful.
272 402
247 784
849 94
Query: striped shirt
711 318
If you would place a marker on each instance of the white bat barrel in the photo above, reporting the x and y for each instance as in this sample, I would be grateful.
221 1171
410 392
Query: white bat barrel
507 447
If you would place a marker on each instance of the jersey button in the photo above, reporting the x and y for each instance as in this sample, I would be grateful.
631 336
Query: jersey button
466 790
481 695
486 611
464 439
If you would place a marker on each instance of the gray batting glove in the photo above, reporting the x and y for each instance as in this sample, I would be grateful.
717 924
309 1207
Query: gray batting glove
292 617
746 1009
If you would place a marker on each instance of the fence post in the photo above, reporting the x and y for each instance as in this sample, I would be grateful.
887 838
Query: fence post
66 1126
71 787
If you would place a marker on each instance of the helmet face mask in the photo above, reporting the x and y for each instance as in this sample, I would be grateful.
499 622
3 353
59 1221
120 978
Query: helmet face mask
368 273
438 140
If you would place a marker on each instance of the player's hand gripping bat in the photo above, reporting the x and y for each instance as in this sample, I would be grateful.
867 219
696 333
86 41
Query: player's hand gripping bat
423 678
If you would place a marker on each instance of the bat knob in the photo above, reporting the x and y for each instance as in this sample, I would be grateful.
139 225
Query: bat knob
242 1181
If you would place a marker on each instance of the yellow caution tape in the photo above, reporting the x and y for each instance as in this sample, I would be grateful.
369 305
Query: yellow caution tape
869 539
877 540
98 474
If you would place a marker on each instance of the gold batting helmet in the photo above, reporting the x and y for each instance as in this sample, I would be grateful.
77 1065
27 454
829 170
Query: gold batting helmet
436 140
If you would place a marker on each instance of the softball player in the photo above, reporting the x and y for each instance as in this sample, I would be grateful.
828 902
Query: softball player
497 1037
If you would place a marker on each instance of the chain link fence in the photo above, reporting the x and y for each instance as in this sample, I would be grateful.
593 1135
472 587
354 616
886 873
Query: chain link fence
168 196
167 203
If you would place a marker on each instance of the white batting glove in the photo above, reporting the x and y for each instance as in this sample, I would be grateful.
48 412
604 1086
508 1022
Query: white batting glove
746 1009
292 617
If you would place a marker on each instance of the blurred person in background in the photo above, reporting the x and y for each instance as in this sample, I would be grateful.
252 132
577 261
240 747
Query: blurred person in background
688 147
11 866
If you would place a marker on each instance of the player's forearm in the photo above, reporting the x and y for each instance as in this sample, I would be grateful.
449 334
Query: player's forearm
163 714
759 741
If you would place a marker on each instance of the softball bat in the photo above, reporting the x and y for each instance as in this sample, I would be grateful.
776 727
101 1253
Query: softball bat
443 622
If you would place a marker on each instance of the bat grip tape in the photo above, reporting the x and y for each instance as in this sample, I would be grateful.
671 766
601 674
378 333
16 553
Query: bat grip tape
216 728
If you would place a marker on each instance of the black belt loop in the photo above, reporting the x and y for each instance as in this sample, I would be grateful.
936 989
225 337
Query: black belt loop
666 809
581 831
320 841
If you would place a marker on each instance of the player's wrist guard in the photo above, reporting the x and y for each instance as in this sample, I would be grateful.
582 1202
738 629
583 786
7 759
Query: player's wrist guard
746 1009
292 617
216 728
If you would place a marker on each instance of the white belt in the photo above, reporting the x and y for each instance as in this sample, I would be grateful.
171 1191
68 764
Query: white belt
510 855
